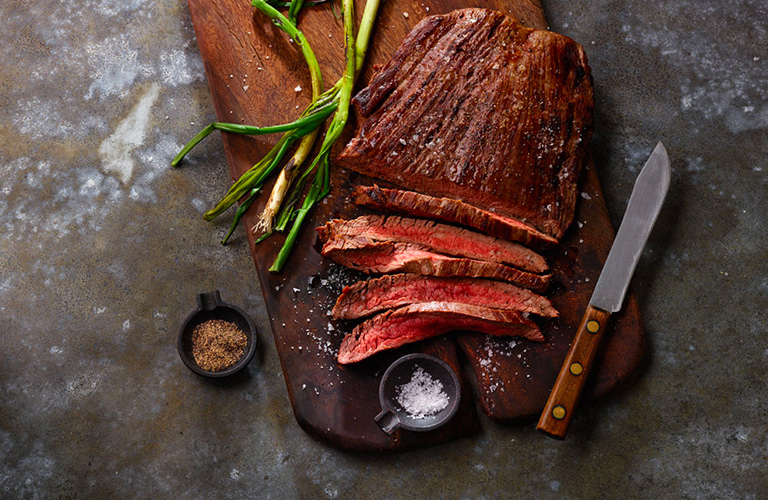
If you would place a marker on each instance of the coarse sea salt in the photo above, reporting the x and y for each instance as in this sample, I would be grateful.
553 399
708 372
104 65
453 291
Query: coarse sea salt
422 396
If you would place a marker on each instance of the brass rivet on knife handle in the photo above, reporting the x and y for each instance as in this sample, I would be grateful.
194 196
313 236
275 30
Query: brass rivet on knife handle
570 382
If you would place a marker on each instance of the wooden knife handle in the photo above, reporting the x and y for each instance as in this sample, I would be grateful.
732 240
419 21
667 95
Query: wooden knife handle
565 394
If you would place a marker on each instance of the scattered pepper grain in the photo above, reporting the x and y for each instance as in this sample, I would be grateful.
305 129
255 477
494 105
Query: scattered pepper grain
217 344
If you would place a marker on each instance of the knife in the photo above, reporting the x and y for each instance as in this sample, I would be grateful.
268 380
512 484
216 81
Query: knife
644 206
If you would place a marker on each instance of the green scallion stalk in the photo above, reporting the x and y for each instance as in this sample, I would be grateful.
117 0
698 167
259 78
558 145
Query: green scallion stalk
356 49
307 123
334 101
288 172
321 183
305 128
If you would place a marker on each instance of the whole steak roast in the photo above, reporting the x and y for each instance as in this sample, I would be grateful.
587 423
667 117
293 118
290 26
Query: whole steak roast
475 106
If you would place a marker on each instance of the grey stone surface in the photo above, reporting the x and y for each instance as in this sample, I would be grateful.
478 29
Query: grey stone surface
103 249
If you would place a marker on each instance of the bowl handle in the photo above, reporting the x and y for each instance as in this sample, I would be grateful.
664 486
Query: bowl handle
209 300
388 421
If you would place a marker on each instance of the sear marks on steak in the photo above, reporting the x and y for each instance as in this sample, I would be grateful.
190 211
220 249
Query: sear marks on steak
381 257
365 298
440 238
451 210
416 322
477 107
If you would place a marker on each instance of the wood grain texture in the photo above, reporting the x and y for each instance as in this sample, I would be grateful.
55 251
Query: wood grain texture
253 71
565 394
528 371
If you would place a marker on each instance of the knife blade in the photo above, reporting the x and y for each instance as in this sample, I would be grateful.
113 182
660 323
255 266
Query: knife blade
644 206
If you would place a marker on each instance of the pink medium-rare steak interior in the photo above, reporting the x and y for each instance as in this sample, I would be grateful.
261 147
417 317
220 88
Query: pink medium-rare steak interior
441 238
476 107
365 298
381 257
416 322
451 210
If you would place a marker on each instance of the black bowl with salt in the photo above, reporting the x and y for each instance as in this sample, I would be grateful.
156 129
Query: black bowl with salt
216 339
418 392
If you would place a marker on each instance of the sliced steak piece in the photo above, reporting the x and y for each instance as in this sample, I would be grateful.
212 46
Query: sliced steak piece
383 257
477 107
422 321
451 210
365 298
441 238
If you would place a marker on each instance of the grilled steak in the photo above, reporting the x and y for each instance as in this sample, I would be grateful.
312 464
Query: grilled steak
441 238
451 210
365 298
474 106
383 257
422 321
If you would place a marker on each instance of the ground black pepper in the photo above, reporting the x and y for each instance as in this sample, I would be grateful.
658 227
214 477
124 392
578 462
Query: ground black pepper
217 344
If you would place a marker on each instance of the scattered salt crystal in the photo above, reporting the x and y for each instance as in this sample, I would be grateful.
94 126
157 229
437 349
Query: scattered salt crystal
403 142
245 88
298 88
422 396
405 15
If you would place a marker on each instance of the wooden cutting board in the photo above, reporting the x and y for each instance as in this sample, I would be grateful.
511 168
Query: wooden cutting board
257 77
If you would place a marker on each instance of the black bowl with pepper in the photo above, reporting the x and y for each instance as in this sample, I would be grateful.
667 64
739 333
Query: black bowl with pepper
216 339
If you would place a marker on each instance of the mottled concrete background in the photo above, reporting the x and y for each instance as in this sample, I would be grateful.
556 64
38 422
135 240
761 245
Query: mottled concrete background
103 249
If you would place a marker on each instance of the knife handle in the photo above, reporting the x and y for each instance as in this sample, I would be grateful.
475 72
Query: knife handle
565 394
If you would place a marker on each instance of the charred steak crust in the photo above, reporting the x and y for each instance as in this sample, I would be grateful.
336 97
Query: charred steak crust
451 210
416 322
477 107
368 297
440 238
382 257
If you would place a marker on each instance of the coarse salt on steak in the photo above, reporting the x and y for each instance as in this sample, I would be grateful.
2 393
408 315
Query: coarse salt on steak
416 322
368 297
476 107
381 257
441 238
450 210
